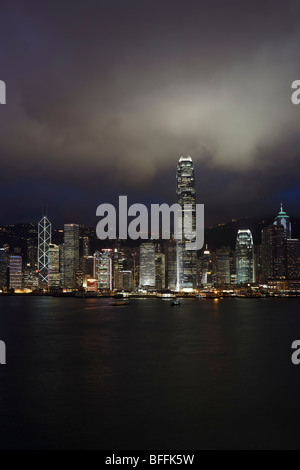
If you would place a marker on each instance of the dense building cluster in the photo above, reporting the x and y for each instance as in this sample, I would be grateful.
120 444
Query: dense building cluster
65 260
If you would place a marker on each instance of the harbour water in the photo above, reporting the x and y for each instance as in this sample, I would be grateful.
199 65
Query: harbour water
85 374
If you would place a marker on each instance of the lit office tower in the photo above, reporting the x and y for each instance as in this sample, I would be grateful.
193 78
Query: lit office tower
284 220
15 272
3 269
71 255
273 258
125 280
172 264
103 269
222 266
44 240
54 273
85 246
186 194
160 271
245 272
206 267
293 258
147 265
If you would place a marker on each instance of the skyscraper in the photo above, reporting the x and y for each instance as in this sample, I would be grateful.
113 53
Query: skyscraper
284 220
186 195
160 271
245 272
71 255
103 269
44 240
3 269
147 265
279 250
222 266
54 273
293 258
15 272
273 253
85 246
172 264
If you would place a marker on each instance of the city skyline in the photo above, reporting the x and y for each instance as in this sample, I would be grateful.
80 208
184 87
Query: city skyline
155 265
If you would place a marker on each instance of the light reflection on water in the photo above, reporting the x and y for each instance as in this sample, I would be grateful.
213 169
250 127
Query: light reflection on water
83 373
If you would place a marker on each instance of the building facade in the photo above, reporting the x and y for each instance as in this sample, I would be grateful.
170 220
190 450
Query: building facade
147 265
15 272
245 265
71 255
186 195
44 240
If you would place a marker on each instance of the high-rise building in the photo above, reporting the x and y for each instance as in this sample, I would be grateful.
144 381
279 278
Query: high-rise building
54 265
125 280
85 246
186 195
103 269
172 264
147 265
44 240
293 258
15 272
206 268
222 266
3 269
31 254
160 271
284 220
279 252
273 253
30 278
87 266
245 272
71 255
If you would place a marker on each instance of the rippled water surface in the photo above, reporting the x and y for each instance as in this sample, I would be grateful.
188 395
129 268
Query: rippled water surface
82 373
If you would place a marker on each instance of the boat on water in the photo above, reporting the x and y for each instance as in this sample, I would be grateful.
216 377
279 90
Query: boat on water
175 303
120 302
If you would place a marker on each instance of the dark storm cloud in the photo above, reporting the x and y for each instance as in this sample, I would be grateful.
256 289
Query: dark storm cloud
103 97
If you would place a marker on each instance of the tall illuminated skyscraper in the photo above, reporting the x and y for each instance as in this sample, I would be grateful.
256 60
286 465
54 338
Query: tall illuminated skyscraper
103 269
245 271
206 267
284 220
85 246
54 274
15 272
44 240
186 195
222 266
147 265
160 271
71 255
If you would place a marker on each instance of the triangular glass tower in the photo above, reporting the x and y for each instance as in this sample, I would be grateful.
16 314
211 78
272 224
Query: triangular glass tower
44 240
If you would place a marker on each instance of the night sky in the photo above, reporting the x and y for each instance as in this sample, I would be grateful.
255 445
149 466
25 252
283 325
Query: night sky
104 96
